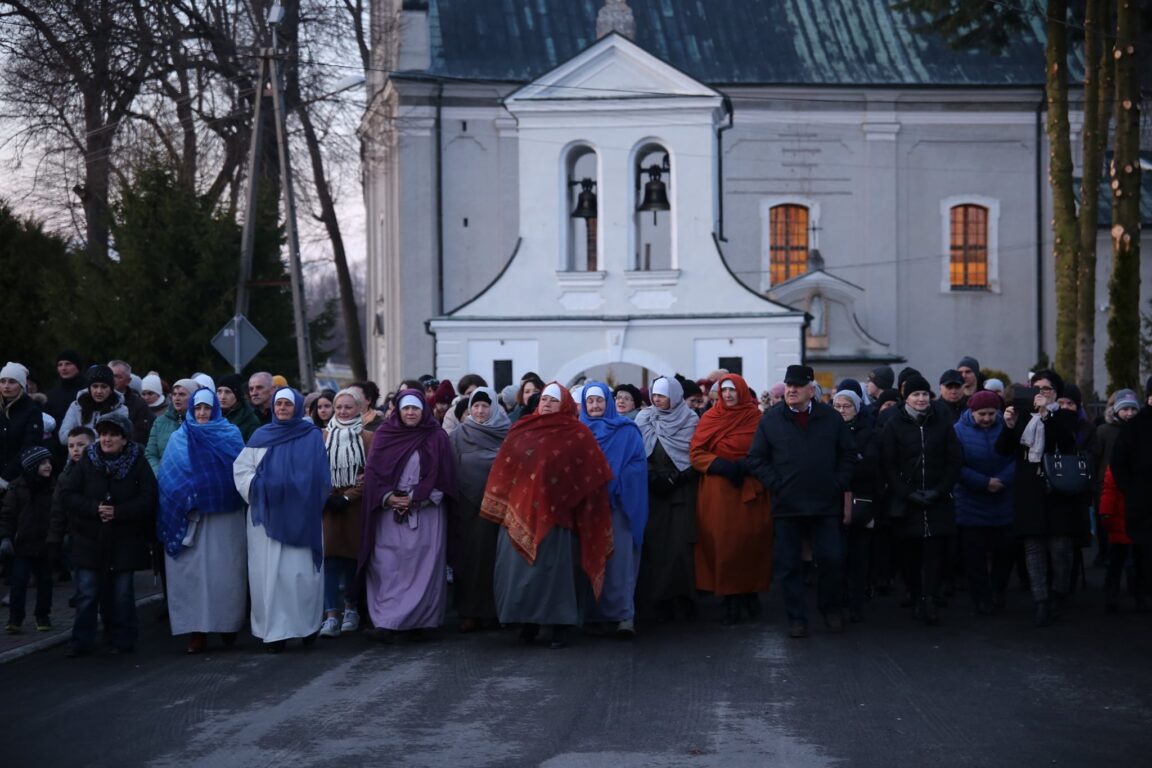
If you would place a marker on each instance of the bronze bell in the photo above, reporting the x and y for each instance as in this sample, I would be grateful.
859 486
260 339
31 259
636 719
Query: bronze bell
655 192
585 201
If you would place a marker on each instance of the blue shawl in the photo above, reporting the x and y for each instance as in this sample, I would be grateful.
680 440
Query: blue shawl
623 446
292 481
196 472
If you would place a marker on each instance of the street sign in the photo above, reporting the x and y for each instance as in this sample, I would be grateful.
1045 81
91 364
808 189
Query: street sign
239 341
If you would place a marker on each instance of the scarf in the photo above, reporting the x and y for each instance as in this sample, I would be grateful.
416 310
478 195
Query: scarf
118 467
1033 438
475 446
196 473
392 447
551 472
623 446
672 428
727 431
917 417
345 450
292 482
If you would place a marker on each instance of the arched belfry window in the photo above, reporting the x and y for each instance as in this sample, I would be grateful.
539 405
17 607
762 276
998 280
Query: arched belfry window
653 217
582 211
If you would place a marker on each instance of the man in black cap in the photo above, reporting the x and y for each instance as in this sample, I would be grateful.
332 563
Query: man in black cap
952 394
804 454
879 379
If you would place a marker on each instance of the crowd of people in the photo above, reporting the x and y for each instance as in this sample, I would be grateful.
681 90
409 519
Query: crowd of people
552 508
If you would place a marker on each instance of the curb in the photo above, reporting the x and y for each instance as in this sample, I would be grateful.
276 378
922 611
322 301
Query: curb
60 637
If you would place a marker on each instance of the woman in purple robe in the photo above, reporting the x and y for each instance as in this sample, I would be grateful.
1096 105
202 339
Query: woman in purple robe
410 469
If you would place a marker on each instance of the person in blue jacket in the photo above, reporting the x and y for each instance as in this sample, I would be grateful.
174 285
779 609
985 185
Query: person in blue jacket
983 501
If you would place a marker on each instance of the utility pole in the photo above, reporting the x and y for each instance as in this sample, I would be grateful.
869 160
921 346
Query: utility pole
272 78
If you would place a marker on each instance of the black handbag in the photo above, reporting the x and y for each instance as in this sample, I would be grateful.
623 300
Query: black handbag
1067 474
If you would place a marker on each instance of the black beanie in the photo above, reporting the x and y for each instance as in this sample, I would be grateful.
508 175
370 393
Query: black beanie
100 374
882 377
916 383
234 382
70 355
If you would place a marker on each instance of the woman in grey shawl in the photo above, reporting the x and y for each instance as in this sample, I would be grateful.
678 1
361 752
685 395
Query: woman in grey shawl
472 539
667 575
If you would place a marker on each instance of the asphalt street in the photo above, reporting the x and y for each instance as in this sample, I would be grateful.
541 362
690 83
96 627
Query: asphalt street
974 691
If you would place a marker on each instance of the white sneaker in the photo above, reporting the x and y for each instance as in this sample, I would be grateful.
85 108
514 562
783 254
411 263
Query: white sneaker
351 621
330 627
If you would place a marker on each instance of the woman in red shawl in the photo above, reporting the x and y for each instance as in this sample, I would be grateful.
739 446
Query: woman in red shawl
733 510
549 490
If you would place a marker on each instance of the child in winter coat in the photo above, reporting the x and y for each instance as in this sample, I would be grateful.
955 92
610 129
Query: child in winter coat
24 519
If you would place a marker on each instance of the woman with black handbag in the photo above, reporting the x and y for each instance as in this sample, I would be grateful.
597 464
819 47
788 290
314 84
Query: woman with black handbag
866 487
1048 519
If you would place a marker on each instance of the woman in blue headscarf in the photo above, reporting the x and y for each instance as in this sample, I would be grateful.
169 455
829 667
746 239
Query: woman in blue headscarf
283 474
201 526
623 446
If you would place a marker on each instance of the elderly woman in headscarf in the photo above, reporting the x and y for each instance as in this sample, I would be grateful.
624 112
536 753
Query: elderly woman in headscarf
167 423
623 446
472 539
733 509
404 533
283 475
348 445
201 526
549 490
667 576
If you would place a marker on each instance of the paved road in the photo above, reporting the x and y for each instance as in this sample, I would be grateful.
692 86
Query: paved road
972 692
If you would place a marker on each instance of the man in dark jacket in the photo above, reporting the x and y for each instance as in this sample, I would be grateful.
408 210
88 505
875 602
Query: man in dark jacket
21 421
138 411
62 395
804 454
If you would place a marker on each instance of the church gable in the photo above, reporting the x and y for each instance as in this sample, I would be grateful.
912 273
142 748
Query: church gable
612 69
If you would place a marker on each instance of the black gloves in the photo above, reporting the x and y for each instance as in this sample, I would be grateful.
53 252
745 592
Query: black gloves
732 470
923 499
337 503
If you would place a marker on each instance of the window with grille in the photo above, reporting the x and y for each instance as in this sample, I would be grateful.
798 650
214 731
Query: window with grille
968 248
788 242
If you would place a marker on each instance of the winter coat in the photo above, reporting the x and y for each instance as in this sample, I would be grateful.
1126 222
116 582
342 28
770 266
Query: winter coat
1106 436
1112 521
807 470
162 429
1037 513
245 419
867 482
975 504
122 544
61 396
924 456
25 514
83 404
21 426
141 416
1132 467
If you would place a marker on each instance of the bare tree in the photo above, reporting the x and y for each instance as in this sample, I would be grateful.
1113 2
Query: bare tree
74 69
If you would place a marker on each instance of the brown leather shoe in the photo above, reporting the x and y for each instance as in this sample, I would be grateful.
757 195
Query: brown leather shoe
197 643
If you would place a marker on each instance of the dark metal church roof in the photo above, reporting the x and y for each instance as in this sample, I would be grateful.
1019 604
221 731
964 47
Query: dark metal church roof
727 42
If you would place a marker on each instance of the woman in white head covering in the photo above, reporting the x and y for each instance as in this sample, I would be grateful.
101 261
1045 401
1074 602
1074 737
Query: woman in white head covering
667 572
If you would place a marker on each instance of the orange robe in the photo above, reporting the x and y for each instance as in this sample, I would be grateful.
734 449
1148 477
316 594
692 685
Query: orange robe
733 525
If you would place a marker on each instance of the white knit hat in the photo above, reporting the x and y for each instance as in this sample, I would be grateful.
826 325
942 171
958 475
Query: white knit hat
152 383
15 371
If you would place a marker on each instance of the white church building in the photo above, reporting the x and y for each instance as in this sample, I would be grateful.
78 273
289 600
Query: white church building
700 185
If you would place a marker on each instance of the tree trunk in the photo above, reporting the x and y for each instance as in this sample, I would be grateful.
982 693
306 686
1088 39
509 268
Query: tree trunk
1065 232
354 339
1123 355
1097 116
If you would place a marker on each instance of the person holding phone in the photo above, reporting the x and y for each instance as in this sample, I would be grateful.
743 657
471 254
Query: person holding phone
1048 522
